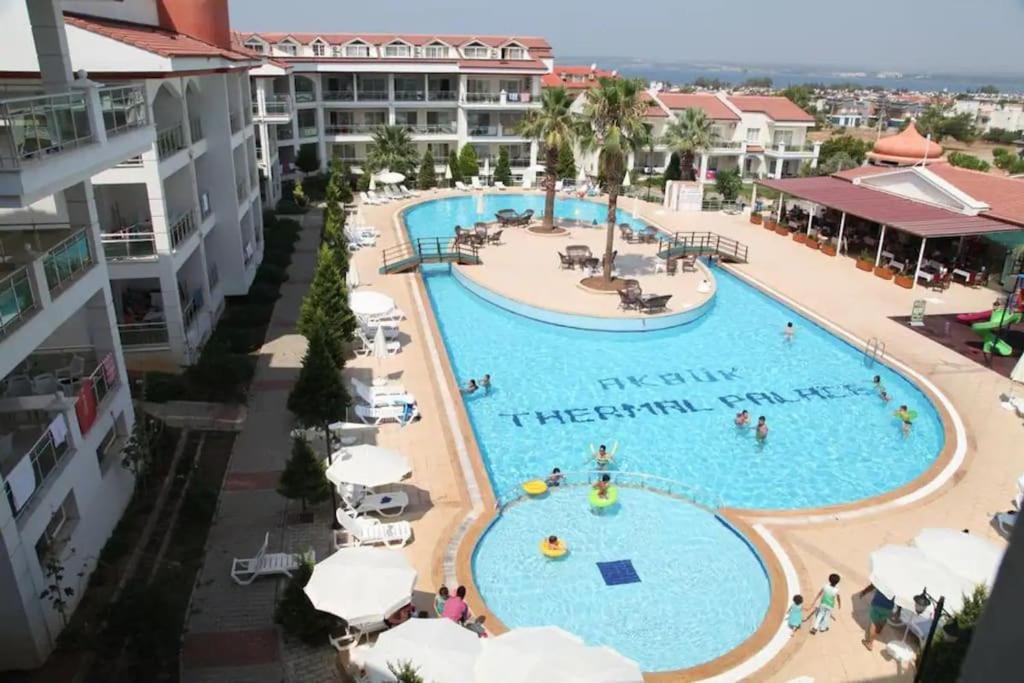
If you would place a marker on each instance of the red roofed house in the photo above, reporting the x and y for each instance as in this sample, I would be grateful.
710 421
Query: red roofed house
448 90
575 79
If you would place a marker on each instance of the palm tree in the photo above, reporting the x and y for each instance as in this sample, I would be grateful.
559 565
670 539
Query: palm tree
393 149
690 133
613 126
553 126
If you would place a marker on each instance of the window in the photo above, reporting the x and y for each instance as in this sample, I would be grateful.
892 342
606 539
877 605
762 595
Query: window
476 52
319 49
405 118
58 529
435 51
753 134
287 48
397 50
256 46
438 150
514 53
357 50
337 51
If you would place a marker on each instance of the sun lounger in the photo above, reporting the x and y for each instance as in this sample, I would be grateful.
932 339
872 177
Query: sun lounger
475 182
403 414
1005 521
369 531
359 239
364 347
654 303
459 185
498 185
245 571
380 199
383 395
385 504
407 192
367 199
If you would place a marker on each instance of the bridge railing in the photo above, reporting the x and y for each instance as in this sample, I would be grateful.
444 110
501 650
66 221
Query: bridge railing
705 243
431 250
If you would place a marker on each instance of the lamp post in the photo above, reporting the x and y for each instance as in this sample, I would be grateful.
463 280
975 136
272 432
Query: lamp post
921 603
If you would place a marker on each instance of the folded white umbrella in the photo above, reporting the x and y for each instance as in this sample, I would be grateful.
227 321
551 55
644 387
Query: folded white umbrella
368 466
901 572
441 650
367 304
373 183
480 207
390 177
547 654
362 585
352 276
967 555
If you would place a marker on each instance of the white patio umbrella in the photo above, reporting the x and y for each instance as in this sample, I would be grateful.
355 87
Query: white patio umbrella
626 180
368 304
547 654
373 182
369 466
362 585
901 572
442 650
967 555
447 171
581 177
352 276
380 345
487 166
636 207
390 177
480 208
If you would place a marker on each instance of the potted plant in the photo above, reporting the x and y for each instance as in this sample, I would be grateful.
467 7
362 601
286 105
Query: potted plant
799 237
883 272
783 230
811 243
827 248
770 222
905 281
865 262
755 218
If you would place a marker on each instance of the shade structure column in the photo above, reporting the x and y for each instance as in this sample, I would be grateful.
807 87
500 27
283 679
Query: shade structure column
839 239
810 217
753 197
881 240
920 259
778 215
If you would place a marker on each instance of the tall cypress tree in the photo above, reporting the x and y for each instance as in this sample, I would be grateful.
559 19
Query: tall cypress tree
503 170
453 164
566 162
328 299
319 396
427 177
469 166
303 476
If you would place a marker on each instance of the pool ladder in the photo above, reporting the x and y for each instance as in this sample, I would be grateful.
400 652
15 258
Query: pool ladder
874 351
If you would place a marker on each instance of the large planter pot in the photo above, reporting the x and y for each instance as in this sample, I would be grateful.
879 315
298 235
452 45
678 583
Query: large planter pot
770 226
866 266
883 272
904 281
755 218
799 237
828 250
771 223
782 231
811 244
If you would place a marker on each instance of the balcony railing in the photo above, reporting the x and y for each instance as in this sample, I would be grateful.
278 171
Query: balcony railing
34 127
432 129
131 162
305 96
442 95
278 104
410 95
143 334
17 301
307 131
181 227
127 246
727 144
69 258
195 127
371 95
339 95
353 128
783 146
523 162
519 97
170 140
482 97
124 108
42 459
483 131
190 313
101 381
284 132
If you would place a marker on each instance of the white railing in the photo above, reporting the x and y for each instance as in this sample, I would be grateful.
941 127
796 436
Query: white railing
353 128
65 261
125 246
195 128
124 108
170 140
182 227
190 313
371 95
43 457
37 126
482 97
17 301
432 129
143 334
338 95
442 95
413 95
638 480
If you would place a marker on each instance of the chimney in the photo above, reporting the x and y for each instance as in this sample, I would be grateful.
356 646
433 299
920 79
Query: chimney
206 20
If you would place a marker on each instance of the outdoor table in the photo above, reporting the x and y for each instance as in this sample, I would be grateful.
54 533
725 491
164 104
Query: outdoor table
965 274
578 253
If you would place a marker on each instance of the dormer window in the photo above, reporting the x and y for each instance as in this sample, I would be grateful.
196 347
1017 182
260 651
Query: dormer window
477 51
513 52
435 51
256 46
288 48
357 49
397 50
319 48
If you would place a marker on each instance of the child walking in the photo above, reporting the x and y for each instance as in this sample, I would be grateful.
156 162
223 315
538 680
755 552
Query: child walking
826 601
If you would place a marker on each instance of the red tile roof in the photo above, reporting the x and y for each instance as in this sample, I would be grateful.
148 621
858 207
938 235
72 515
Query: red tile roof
863 172
1005 196
709 104
776 108
881 207
557 78
530 42
152 39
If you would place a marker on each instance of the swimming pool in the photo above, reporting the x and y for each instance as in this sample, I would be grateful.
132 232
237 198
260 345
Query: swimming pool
700 592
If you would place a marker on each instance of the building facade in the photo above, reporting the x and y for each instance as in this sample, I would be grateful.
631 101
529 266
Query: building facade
447 91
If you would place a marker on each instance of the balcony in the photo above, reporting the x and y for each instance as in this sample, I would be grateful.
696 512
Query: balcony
410 95
727 146
785 148
519 162
181 227
433 129
483 131
442 95
482 98
339 96
169 141
17 301
304 97
34 456
130 244
276 109
68 259
371 95
195 127
191 309
142 335
49 142
307 131
353 128
284 132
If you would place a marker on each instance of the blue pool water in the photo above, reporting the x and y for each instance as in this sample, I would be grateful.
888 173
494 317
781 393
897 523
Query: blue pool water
704 583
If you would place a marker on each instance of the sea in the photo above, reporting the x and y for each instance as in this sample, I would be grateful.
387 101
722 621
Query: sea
682 73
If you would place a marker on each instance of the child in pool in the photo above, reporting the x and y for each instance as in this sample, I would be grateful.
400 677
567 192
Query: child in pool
788 332
602 485
553 543
880 389
603 457
742 418
485 382
762 429
555 478
471 387
904 414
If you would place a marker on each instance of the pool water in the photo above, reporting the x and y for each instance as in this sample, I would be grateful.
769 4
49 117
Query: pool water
701 592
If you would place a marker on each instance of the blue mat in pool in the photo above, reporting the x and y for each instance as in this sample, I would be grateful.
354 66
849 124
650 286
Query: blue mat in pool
618 572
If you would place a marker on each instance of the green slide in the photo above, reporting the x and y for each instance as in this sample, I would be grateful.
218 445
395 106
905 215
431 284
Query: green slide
1000 318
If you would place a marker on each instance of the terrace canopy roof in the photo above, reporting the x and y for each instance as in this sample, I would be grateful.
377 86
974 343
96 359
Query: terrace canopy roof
909 216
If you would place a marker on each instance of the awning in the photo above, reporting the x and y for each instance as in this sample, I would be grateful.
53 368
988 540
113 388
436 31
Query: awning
909 216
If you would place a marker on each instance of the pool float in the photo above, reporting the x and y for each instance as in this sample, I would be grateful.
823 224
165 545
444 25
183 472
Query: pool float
911 415
598 502
559 550
535 487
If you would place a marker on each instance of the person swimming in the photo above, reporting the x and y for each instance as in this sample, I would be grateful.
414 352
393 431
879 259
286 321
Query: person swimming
485 382
880 389
553 543
555 478
904 415
762 429
471 387
602 485
742 418
602 456
788 332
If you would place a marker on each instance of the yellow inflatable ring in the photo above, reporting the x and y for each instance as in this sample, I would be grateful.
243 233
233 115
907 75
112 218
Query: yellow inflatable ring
609 500
558 551
535 487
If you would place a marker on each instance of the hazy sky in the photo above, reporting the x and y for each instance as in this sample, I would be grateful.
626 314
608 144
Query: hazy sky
952 35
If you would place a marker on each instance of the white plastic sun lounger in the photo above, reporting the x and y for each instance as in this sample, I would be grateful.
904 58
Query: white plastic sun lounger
366 199
380 199
1006 521
245 571
354 635
475 182
383 395
357 500
360 239
365 345
369 531
407 192
459 185
498 185
392 192
396 412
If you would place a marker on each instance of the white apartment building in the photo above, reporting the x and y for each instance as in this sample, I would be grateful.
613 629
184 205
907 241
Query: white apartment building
65 406
448 91
181 222
989 114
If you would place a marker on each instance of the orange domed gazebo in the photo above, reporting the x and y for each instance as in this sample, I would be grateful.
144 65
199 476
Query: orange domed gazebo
906 148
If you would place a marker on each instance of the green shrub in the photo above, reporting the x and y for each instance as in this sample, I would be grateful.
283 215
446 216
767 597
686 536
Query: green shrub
220 375
296 614
289 207
278 255
315 187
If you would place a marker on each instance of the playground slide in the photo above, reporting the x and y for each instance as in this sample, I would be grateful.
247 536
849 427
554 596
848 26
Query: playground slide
974 317
1000 318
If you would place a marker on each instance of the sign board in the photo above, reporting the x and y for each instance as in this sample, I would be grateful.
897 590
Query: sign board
917 313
